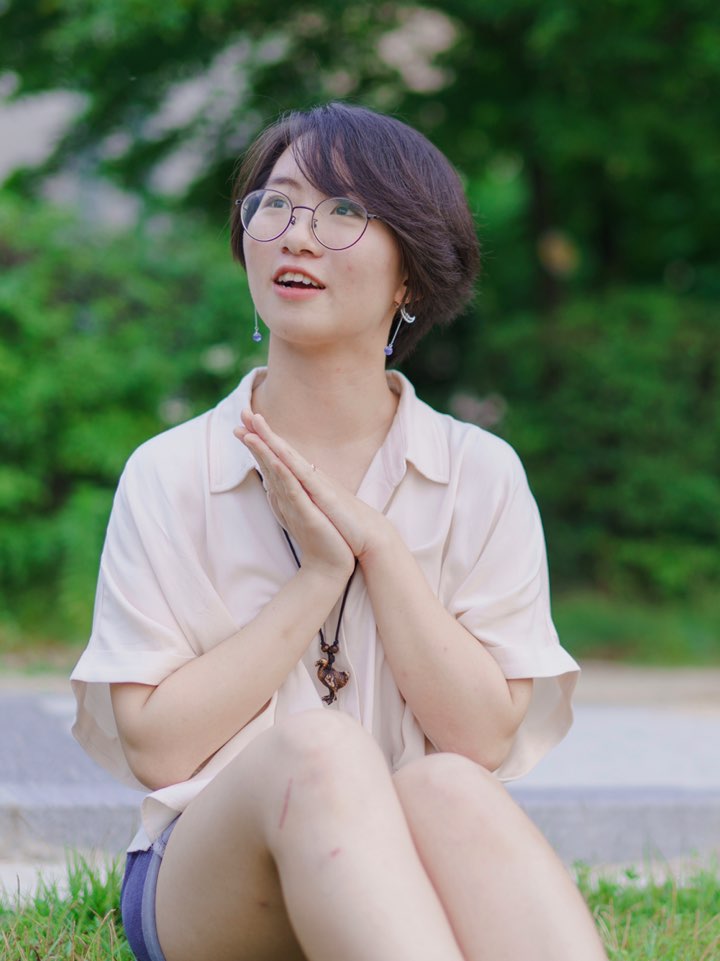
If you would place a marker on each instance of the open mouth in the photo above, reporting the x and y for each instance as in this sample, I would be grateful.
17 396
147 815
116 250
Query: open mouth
298 281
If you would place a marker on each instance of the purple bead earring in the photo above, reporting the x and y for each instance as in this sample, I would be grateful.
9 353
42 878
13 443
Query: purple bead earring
257 336
404 316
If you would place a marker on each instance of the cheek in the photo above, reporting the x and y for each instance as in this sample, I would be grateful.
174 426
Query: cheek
389 265
255 257
249 258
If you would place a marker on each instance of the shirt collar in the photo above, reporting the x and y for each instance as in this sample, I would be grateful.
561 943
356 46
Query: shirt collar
416 436
230 460
422 438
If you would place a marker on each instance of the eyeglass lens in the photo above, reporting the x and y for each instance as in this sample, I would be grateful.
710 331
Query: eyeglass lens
336 222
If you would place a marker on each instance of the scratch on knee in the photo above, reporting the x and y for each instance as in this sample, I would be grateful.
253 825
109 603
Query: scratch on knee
286 802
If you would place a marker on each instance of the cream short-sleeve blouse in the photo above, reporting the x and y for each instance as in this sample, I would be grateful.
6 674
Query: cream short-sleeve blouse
193 552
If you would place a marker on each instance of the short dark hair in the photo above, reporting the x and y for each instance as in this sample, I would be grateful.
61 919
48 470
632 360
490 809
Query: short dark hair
397 174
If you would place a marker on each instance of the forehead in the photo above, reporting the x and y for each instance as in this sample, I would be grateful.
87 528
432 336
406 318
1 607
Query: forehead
315 169
287 175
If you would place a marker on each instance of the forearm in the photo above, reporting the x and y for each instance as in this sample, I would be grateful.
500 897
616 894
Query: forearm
169 731
451 682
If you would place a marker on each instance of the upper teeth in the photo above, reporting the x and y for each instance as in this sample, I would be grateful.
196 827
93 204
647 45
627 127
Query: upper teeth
293 277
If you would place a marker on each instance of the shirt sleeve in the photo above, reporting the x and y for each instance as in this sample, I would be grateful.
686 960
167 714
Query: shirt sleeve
501 596
155 607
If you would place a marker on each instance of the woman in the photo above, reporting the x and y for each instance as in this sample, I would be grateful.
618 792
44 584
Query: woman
322 631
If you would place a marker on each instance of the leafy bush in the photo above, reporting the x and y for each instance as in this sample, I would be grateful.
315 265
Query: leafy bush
105 340
614 405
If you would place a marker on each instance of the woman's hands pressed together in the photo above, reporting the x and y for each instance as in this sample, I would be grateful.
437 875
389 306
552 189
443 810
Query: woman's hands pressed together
170 730
330 524
440 668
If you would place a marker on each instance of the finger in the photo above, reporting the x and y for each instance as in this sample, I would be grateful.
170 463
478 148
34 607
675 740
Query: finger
266 461
266 465
339 506
252 425
302 468
246 417
278 478
321 489
299 466
248 439
324 492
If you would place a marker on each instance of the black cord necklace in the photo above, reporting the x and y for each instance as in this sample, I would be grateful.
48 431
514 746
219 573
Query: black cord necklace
331 678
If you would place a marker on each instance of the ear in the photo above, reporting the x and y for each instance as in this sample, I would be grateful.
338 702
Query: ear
401 295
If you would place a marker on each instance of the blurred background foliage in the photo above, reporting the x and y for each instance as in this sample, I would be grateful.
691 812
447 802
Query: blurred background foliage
586 134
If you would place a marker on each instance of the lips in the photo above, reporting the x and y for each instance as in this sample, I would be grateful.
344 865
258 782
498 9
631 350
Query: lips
297 279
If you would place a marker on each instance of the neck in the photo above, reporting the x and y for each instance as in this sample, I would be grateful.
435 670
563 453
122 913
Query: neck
325 400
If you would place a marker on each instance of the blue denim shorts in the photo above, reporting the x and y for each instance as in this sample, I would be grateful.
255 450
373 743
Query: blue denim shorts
137 898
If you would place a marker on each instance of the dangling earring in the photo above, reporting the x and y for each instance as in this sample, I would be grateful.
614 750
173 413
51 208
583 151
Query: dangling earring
404 316
257 336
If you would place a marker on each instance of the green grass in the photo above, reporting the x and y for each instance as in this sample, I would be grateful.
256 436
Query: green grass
80 923
637 921
592 625
661 920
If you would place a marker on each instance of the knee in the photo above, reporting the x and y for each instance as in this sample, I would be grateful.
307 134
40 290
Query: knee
452 783
317 731
455 802
320 747
323 767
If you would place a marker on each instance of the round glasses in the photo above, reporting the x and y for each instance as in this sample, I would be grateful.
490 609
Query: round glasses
337 223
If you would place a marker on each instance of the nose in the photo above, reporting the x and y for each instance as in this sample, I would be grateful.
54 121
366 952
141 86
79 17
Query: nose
299 234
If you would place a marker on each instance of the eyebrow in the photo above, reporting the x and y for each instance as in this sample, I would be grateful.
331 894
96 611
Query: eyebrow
284 181
291 182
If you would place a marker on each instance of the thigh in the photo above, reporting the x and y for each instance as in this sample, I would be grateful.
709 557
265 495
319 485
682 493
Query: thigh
504 889
485 817
218 891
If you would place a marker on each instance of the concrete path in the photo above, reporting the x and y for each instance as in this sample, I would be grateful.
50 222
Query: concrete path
637 777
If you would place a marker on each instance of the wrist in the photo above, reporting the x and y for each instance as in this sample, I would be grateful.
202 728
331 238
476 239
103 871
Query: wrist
382 541
325 576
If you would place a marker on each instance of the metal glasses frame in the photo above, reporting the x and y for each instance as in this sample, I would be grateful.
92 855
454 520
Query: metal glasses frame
292 220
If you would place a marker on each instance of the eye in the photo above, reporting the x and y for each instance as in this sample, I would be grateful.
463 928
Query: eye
346 208
275 202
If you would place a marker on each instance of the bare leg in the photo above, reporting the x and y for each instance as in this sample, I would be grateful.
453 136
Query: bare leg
300 848
507 894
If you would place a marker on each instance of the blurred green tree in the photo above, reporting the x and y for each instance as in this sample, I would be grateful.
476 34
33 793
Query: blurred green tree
607 109
586 134
99 350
